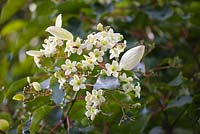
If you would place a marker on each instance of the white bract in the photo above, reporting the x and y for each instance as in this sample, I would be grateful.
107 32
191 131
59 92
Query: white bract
58 21
132 57
35 53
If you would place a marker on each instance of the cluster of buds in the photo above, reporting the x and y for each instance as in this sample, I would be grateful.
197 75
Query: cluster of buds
96 56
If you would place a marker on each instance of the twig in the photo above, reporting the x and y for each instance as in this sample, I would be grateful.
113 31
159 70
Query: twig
66 117
159 68
56 126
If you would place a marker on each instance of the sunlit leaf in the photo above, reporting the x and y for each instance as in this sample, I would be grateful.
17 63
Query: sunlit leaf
4 125
13 26
10 8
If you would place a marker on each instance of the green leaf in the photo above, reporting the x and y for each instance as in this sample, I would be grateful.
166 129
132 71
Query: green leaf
160 15
137 126
1 96
180 102
38 115
10 8
38 102
13 26
6 116
15 87
141 123
57 94
178 80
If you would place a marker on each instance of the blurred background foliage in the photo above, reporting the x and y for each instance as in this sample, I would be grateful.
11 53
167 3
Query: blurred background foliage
170 70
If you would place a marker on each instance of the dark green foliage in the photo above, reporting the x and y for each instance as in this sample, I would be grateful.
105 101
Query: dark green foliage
170 97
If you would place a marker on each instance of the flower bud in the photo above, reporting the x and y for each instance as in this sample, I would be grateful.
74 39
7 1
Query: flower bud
132 57
36 86
60 33
100 27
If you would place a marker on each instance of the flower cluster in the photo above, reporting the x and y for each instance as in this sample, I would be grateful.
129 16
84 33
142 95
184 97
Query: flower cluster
93 102
87 58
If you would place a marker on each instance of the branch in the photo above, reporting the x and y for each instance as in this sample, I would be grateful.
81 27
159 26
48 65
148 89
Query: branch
66 117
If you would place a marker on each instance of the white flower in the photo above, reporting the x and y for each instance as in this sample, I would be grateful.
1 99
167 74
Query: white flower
61 79
69 67
88 98
97 97
94 99
132 57
90 42
137 90
96 55
113 68
128 87
53 41
78 83
124 78
88 62
74 47
49 50
91 112
115 51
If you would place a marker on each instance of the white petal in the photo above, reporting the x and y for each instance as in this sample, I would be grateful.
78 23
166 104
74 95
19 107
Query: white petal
59 21
35 53
132 57
60 33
